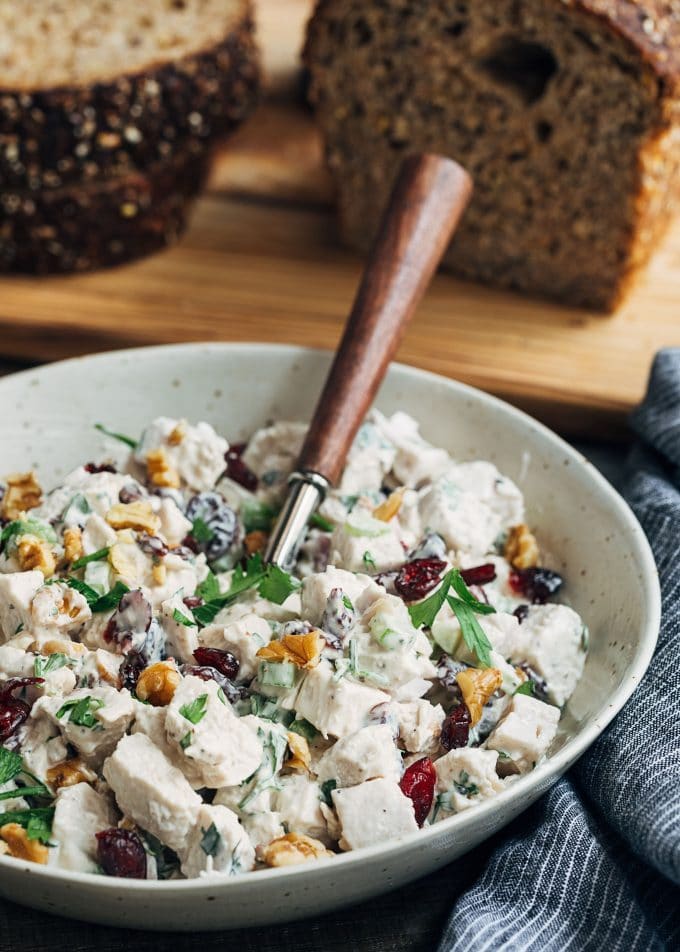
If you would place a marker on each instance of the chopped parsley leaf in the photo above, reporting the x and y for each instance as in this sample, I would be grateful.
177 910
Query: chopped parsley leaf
209 588
347 602
10 765
117 436
186 740
527 687
211 840
201 531
277 585
304 729
320 522
43 665
194 712
369 561
81 712
325 790
182 619
37 822
97 556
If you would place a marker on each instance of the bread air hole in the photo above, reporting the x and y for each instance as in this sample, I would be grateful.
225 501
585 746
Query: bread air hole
525 67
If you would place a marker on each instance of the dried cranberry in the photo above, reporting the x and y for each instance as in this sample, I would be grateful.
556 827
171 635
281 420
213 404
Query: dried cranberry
220 521
224 661
130 624
237 469
13 711
418 785
521 613
536 584
417 578
456 728
99 468
152 545
133 664
130 493
121 853
480 574
193 601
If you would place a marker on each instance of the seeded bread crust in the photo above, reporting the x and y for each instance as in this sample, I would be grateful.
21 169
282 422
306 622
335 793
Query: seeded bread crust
83 227
519 231
52 137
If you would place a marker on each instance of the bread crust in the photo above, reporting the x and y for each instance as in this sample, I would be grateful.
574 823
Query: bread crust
52 137
101 224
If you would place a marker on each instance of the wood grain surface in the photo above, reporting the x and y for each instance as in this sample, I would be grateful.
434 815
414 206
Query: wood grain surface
428 201
271 268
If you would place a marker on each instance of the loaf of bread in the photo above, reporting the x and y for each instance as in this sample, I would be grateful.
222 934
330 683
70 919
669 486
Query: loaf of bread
105 105
102 223
566 112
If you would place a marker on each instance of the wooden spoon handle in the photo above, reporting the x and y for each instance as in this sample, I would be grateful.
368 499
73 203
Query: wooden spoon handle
427 203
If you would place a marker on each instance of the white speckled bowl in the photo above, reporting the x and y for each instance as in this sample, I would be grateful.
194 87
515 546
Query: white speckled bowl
46 420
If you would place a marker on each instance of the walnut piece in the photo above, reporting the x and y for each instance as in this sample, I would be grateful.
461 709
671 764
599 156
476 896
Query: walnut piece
134 515
477 685
303 650
69 772
72 649
35 553
387 510
73 543
300 757
21 847
521 549
255 541
160 470
178 434
293 848
23 492
157 684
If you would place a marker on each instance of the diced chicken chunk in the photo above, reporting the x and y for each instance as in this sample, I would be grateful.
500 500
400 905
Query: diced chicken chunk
554 648
367 545
465 777
420 724
316 589
79 813
97 535
59 609
243 637
151 792
272 453
181 639
369 460
373 812
465 522
217 845
92 719
335 707
195 451
416 460
299 807
17 591
200 721
364 755
526 732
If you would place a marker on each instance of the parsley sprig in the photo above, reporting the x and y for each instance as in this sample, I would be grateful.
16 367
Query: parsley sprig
272 583
464 606
98 603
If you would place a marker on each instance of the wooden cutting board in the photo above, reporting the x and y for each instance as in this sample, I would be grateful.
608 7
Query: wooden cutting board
261 262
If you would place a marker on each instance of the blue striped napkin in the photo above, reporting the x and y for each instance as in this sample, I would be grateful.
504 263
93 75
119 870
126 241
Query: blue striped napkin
595 865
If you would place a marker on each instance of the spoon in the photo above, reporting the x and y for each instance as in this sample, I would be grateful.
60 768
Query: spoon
428 201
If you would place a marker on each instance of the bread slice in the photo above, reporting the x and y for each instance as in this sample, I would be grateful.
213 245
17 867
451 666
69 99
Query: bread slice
566 112
94 88
103 223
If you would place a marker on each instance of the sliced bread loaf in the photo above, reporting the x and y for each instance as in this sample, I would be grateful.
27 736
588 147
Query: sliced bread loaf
94 88
103 223
566 112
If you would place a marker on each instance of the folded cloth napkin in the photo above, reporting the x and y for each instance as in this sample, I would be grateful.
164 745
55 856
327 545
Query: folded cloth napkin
595 865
